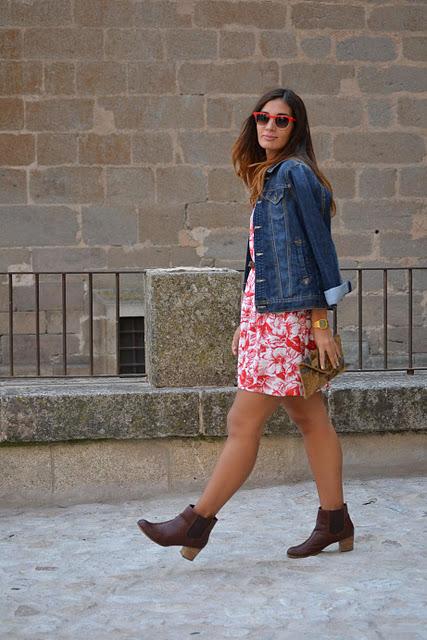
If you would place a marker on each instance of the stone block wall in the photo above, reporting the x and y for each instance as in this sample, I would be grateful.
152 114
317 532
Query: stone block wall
117 120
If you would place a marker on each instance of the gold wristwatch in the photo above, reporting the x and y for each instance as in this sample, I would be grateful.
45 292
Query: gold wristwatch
321 324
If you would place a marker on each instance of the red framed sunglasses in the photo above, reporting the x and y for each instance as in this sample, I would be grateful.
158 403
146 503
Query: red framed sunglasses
281 120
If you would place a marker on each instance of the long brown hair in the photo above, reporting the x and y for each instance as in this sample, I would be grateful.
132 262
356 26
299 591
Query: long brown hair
250 159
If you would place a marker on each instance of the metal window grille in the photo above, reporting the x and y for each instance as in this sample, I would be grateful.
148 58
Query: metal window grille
131 345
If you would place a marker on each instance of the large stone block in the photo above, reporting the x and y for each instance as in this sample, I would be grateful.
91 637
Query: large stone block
278 44
319 78
390 406
316 15
391 79
398 18
219 113
129 185
317 47
232 77
11 113
18 78
236 44
152 148
16 149
10 43
60 78
13 186
155 112
412 111
180 184
343 181
211 215
101 78
225 186
24 322
133 44
152 77
43 13
225 244
14 259
354 245
104 13
337 111
73 414
190 320
36 225
415 48
24 349
371 48
136 257
57 148
68 258
160 224
377 183
380 112
168 13
403 247
102 150
78 43
413 181
57 185
187 44
223 13
375 147
379 214
59 114
109 226
206 147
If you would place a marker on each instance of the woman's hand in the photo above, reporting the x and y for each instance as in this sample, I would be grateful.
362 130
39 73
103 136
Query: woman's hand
326 345
235 341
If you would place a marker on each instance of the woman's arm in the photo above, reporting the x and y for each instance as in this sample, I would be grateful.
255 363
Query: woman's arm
318 233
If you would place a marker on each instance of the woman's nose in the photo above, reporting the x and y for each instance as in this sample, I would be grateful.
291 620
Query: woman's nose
271 124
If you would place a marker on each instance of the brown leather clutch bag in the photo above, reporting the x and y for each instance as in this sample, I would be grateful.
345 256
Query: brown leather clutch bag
313 377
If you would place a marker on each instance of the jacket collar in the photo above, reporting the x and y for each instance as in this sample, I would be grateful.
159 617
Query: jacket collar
273 166
276 164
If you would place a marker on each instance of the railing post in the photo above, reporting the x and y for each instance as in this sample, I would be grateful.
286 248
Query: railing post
117 289
10 285
410 369
64 323
360 313
37 301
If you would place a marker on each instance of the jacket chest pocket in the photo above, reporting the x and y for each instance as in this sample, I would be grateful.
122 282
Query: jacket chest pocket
276 194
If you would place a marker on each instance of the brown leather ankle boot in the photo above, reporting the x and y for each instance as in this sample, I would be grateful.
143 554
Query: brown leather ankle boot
331 526
188 528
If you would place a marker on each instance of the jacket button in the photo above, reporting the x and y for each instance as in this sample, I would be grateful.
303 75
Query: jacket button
306 280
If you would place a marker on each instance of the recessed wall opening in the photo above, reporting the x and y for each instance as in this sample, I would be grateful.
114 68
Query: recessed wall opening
131 345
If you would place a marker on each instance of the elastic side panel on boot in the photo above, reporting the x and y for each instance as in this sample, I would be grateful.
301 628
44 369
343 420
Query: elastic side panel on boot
336 521
198 527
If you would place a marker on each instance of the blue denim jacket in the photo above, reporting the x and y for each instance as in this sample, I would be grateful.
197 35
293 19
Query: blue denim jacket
296 264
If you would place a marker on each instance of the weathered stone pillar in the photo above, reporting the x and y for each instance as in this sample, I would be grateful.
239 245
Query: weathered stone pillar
191 315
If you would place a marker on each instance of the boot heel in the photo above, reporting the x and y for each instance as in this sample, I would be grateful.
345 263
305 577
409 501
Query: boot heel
346 544
189 552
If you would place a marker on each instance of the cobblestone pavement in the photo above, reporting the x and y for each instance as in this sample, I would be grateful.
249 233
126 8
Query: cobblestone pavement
86 571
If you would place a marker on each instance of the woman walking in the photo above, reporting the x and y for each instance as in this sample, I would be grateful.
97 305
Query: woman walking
291 279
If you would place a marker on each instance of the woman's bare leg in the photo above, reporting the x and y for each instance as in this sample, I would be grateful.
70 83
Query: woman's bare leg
245 423
321 444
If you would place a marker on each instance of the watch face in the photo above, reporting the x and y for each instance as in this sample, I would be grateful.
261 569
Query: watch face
321 324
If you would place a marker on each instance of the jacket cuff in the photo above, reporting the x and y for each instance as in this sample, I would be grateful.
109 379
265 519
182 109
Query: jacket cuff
335 294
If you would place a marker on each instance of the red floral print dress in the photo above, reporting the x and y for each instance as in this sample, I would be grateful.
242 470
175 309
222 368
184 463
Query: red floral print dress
272 344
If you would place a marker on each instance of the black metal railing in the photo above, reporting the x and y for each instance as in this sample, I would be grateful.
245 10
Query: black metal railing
409 367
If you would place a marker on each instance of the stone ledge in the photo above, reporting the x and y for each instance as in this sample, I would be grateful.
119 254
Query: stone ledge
58 410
